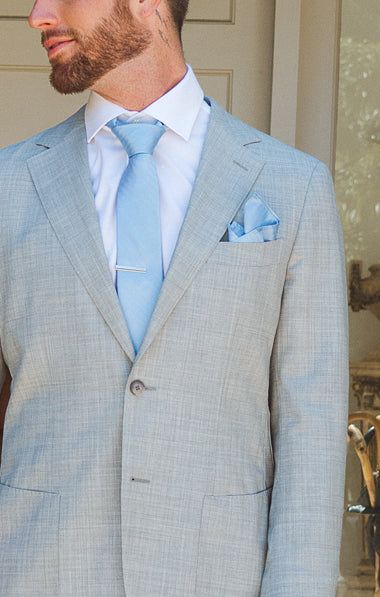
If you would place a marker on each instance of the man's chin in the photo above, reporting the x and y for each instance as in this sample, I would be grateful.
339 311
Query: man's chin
68 77
66 85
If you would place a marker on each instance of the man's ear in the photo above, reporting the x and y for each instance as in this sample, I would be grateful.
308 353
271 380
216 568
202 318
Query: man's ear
144 8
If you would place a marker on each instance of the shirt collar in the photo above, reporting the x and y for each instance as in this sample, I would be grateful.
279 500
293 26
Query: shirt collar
177 109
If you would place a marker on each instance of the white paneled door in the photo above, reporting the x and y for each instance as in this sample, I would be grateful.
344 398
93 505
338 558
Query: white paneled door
229 43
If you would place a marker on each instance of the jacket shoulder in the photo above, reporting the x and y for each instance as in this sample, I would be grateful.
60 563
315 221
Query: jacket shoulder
271 150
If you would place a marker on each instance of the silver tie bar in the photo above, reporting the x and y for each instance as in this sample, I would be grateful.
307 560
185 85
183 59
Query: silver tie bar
128 268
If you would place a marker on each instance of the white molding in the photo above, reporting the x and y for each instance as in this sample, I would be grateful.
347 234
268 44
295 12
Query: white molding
305 75
193 17
24 68
228 74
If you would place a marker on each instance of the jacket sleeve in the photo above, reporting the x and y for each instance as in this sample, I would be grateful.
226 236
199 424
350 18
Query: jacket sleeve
309 403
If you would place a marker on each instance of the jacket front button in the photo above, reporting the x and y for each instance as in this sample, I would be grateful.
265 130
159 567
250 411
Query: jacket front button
137 387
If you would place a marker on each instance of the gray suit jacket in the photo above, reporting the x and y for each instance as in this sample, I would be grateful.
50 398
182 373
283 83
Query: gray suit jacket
222 473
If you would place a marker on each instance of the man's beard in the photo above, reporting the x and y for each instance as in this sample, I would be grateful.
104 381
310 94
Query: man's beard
117 38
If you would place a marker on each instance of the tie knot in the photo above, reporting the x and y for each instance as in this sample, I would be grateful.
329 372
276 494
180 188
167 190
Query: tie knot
137 137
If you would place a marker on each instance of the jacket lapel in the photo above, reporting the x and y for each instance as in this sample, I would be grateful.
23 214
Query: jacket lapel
62 179
227 172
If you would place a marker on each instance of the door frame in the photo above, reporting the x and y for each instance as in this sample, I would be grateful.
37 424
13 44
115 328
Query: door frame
306 75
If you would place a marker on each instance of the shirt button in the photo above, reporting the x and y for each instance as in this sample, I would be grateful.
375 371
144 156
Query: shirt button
137 387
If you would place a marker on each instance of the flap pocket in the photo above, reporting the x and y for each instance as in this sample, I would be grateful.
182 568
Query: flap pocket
29 523
233 544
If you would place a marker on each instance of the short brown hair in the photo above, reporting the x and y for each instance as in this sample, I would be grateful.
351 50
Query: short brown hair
178 8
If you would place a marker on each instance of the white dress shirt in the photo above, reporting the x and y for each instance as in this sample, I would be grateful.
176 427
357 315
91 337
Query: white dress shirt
185 113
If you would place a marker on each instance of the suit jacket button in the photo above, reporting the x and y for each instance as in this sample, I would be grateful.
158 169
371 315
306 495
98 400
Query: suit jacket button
137 387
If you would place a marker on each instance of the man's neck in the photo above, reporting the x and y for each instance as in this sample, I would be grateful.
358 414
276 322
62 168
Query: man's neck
139 82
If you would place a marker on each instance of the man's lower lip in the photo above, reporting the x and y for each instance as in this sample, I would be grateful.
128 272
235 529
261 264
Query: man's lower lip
59 47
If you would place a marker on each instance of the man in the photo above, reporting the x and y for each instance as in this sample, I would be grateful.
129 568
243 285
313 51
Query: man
173 317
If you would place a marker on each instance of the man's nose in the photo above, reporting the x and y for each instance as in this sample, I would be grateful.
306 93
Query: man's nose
43 15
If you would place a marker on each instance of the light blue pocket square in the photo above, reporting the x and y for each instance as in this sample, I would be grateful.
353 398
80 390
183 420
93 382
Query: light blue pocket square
260 223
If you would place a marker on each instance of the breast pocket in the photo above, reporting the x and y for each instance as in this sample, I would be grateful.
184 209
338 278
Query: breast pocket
28 542
250 254
232 544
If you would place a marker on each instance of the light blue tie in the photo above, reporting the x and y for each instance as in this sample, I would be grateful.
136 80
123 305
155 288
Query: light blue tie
139 271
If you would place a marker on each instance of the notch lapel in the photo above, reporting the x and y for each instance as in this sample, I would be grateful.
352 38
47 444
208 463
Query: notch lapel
62 178
226 174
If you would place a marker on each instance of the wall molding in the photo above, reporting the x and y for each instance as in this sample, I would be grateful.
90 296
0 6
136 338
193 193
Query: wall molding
229 21
227 73
7 15
24 68
13 18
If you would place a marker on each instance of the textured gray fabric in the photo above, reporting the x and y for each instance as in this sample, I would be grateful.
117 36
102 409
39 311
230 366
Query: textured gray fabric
225 476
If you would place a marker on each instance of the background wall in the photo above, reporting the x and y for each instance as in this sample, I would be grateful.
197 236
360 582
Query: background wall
357 177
